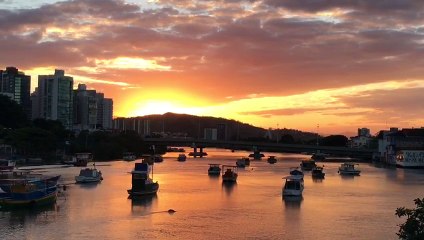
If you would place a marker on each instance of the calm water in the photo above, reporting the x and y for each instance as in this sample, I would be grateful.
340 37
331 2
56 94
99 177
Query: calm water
335 208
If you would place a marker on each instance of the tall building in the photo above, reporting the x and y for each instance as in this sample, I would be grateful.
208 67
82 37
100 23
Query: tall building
85 108
107 113
54 95
16 85
104 111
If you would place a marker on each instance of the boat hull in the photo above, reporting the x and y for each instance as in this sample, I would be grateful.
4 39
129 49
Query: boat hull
79 179
9 201
150 189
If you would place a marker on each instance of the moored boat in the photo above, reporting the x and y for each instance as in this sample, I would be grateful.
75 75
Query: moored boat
214 169
89 175
293 186
229 173
271 159
318 156
80 159
181 157
318 172
296 172
29 192
142 183
129 156
349 169
243 162
307 165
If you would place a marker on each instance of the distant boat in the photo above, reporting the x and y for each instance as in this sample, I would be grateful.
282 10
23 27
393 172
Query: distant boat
142 183
174 149
318 172
214 169
229 173
243 162
89 175
181 157
80 159
271 159
129 156
296 172
307 165
293 187
256 156
28 191
318 156
349 169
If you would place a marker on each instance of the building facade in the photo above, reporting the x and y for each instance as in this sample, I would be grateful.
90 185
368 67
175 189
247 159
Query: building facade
16 85
54 98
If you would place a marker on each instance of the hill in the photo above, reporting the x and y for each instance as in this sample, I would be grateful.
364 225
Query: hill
184 125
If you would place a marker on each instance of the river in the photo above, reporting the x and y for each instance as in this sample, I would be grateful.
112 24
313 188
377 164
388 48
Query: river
360 207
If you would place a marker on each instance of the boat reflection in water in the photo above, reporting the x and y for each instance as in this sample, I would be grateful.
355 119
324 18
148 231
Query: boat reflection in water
229 187
142 205
292 201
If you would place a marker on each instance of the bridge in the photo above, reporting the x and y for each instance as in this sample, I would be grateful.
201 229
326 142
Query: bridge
260 146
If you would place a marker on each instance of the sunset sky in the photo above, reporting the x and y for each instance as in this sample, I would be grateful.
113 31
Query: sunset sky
271 63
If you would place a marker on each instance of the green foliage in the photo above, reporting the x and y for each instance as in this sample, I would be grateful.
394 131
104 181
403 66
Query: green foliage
32 141
12 114
413 228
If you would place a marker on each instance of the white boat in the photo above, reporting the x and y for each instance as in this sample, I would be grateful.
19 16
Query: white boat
349 169
293 187
89 175
410 159
129 156
181 157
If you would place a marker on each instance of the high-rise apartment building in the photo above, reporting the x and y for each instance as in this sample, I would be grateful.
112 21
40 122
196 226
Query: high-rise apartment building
53 98
85 108
16 85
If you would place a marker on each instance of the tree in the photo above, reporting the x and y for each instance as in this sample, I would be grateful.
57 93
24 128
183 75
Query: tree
12 114
413 228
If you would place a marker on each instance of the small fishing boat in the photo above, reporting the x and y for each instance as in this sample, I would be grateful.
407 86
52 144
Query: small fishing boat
243 162
28 192
271 160
214 169
129 156
142 183
318 172
293 187
307 165
229 173
89 175
157 158
181 157
318 156
349 169
296 172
